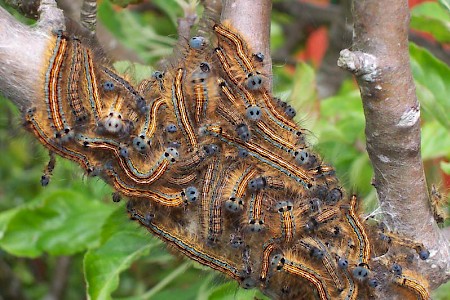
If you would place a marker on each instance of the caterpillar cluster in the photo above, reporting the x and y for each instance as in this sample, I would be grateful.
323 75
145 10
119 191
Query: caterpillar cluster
214 165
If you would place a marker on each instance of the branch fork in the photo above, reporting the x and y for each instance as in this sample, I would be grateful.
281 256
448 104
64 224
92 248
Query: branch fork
361 64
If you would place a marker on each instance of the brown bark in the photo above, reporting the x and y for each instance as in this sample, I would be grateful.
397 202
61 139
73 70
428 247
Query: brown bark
380 61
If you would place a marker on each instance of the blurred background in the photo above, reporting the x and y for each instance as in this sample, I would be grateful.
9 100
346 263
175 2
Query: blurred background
70 241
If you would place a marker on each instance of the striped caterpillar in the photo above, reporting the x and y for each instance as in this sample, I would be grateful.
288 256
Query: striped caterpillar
198 172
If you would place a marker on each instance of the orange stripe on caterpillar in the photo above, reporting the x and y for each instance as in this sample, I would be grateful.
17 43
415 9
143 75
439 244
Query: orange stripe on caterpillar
240 47
92 87
199 79
208 178
328 263
253 78
152 118
359 230
215 207
230 115
200 99
227 92
267 252
288 226
256 204
182 180
279 116
47 142
304 272
290 147
191 249
327 215
226 66
178 98
265 156
243 184
52 76
73 95
287 221
127 165
413 285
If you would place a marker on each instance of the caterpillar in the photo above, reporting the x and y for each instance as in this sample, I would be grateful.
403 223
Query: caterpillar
204 151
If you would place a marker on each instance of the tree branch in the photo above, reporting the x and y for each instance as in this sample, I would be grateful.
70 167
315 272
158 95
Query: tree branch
380 61
22 53
60 279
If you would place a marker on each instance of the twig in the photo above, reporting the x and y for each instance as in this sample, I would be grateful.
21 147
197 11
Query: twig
379 59
60 279
115 49
167 280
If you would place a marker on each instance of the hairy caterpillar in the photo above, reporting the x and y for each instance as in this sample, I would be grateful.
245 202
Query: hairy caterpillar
182 158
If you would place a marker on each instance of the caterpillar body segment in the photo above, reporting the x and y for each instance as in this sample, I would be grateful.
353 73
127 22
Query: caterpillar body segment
413 285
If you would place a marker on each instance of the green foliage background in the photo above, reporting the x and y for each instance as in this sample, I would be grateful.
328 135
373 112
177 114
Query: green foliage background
112 257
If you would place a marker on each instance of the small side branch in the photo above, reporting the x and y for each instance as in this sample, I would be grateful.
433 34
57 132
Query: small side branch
379 60
60 279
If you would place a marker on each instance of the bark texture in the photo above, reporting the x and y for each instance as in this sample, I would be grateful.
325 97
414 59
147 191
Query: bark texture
380 61
21 52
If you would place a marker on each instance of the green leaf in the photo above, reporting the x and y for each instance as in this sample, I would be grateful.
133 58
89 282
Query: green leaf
445 166
125 3
223 292
123 243
361 174
171 8
342 139
435 141
445 4
5 218
432 18
432 78
303 93
149 44
178 272
135 71
342 115
64 222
